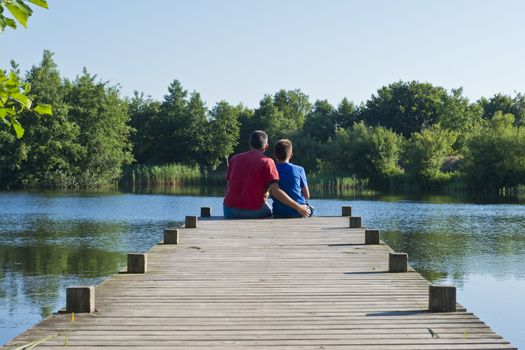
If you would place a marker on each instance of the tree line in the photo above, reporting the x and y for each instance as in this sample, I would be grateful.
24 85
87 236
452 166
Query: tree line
405 133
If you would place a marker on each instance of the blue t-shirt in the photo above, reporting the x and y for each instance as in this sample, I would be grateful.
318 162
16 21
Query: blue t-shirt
292 179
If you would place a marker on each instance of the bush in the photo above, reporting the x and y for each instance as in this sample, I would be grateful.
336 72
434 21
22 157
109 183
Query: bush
496 156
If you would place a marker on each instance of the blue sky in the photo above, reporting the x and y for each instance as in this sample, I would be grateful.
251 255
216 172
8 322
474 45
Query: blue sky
240 50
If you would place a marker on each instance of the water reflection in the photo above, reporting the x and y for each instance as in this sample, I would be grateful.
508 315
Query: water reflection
34 276
444 198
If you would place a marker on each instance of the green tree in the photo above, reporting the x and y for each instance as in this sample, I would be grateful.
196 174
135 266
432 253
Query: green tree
267 117
281 115
426 152
294 106
192 131
178 130
307 151
223 133
171 125
43 156
367 152
321 123
51 143
12 155
323 120
346 114
247 125
144 118
404 107
506 105
459 115
496 155
104 130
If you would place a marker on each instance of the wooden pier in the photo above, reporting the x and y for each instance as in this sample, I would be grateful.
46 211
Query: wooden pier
280 284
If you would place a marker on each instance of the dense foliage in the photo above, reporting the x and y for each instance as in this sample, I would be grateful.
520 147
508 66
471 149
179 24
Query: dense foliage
408 133
84 144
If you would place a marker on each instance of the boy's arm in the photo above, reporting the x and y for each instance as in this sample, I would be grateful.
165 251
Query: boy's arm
282 197
305 192
304 185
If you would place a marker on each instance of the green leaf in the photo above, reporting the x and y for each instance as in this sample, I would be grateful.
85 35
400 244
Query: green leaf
41 3
2 23
43 109
19 130
3 113
13 78
10 23
20 11
22 99
10 111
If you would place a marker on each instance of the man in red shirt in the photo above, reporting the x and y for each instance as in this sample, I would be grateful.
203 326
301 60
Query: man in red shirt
250 175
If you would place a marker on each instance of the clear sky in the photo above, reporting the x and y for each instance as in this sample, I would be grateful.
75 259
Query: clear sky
239 50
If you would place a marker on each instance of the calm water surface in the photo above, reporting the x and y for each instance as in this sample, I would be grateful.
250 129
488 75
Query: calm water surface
49 241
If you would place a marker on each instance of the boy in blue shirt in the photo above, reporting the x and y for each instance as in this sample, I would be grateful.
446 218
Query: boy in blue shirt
292 180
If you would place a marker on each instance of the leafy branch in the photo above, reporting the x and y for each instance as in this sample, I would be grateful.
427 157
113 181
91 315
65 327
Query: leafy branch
14 95
19 10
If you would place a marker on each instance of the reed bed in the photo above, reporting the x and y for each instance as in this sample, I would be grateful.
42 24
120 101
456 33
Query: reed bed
162 175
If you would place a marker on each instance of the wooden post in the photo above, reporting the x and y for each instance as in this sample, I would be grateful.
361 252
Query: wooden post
137 263
346 211
205 212
398 262
441 298
371 236
171 236
355 222
190 222
80 299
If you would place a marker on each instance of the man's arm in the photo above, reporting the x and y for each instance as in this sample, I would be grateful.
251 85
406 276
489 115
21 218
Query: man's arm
282 197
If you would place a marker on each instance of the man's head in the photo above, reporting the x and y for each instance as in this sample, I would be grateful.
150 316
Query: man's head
259 140
283 150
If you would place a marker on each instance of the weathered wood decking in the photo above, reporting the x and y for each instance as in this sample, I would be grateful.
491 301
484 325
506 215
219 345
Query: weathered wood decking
300 283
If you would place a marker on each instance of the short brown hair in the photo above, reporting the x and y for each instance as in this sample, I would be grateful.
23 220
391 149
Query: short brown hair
283 149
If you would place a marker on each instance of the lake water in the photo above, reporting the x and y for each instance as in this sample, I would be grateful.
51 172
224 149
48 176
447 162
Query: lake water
49 241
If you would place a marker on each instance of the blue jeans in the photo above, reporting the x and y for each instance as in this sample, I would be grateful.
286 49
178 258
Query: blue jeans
236 213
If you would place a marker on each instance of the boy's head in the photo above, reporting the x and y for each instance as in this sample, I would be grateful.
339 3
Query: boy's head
283 150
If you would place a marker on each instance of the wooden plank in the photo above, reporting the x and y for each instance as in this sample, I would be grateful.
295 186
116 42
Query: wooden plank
244 284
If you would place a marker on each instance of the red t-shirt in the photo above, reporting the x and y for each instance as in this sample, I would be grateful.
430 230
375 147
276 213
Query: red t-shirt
249 175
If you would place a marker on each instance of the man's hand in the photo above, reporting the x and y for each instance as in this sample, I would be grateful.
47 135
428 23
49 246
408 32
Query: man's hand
304 211
282 197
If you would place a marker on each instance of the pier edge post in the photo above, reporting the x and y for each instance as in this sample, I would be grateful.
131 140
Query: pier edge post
80 299
171 236
346 210
398 262
371 236
355 222
190 222
441 298
137 263
205 212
